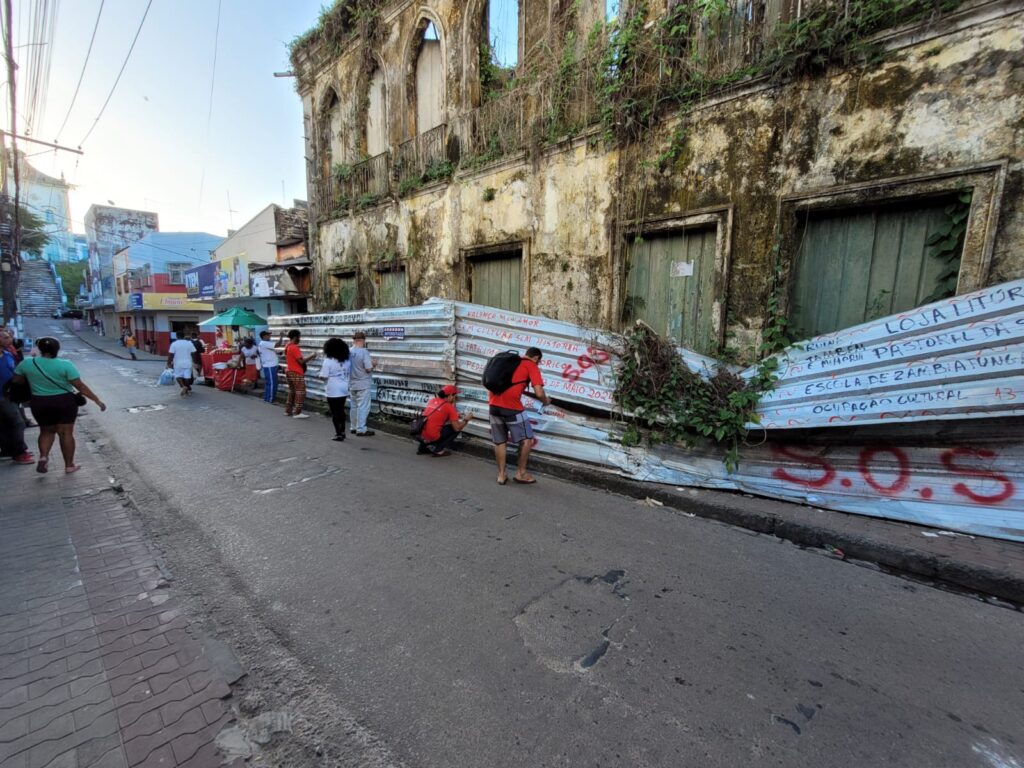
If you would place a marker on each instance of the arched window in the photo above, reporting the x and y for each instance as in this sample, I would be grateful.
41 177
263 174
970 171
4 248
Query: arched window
501 27
429 79
376 115
331 140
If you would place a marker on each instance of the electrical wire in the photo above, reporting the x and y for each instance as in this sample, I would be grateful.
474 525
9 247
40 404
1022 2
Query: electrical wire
209 111
82 73
121 72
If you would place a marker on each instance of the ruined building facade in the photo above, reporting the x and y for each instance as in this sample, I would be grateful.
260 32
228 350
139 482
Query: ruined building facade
680 164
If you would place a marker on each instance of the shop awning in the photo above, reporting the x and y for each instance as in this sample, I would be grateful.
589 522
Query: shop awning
236 316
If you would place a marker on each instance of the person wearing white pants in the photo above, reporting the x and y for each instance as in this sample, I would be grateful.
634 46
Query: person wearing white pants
360 382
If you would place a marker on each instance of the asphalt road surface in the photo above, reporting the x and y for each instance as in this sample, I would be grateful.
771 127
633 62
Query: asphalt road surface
459 623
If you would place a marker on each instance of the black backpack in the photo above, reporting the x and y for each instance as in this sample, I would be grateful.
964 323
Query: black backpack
499 371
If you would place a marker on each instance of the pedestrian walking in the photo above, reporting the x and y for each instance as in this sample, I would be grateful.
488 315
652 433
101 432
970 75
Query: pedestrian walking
508 420
442 423
131 343
197 355
12 424
360 383
295 370
336 371
179 359
269 362
57 392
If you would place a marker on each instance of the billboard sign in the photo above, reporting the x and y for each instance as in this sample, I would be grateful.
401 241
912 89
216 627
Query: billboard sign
200 282
232 278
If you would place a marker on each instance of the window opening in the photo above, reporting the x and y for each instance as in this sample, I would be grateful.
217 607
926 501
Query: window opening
391 287
856 265
502 27
346 290
376 116
429 81
176 273
496 280
671 286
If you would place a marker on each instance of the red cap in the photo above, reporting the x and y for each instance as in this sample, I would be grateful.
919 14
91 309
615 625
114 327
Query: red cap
450 389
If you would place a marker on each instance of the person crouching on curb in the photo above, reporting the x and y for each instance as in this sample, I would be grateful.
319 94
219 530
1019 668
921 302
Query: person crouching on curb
509 422
443 423
295 370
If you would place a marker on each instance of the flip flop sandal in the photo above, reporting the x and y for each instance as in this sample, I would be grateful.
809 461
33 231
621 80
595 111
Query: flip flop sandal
72 468
41 466
523 482
503 482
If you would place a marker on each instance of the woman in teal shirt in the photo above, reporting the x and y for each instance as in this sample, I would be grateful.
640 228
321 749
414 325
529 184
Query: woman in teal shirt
54 402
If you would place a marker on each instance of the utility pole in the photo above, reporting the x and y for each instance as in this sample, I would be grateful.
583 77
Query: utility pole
10 251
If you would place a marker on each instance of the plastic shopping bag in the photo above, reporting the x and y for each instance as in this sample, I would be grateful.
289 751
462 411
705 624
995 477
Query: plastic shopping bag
167 377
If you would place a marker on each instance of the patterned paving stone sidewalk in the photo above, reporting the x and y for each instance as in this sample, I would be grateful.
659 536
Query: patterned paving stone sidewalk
97 666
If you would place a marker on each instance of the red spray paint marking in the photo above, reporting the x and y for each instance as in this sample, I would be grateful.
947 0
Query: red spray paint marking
828 473
590 359
948 460
901 481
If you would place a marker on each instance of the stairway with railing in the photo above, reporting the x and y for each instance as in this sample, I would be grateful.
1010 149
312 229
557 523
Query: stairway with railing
38 291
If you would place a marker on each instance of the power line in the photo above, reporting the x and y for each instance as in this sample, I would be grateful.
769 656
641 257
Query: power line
209 111
123 65
82 74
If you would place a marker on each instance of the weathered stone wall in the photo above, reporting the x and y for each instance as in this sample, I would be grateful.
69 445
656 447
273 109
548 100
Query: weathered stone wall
944 110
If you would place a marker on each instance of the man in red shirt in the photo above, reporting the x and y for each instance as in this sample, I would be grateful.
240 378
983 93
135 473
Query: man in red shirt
296 373
443 423
508 422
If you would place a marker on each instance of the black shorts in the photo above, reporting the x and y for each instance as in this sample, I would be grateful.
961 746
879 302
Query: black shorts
51 410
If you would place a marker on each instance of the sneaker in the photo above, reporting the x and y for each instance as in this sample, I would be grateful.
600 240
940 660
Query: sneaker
367 433
353 432
338 438
25 458
301 416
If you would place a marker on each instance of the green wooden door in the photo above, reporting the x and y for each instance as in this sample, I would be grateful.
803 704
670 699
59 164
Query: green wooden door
347 291
671 286
855 266
498 282
391 288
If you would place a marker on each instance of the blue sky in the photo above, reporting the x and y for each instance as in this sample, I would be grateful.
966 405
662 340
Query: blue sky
153 149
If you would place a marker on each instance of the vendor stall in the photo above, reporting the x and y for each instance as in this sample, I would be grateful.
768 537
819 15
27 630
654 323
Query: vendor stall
224 367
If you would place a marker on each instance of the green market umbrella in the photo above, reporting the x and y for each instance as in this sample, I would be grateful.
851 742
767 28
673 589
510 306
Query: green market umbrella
236 316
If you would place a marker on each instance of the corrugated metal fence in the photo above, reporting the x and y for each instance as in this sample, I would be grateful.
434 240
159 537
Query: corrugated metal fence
960 358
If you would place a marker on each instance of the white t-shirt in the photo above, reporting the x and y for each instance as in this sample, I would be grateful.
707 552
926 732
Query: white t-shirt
336 375
182 350
268 355
251 354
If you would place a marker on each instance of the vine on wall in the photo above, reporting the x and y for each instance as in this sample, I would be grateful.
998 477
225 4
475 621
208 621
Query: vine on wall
666 402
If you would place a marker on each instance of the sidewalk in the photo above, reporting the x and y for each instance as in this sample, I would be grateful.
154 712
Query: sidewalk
109 344
97 665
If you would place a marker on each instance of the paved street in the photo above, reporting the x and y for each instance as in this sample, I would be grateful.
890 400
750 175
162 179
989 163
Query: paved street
402 610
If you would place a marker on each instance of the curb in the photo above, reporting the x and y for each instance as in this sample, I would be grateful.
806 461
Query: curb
84 340
731 508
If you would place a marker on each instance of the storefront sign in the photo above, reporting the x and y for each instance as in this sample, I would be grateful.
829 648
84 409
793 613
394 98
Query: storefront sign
134 301
173 302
